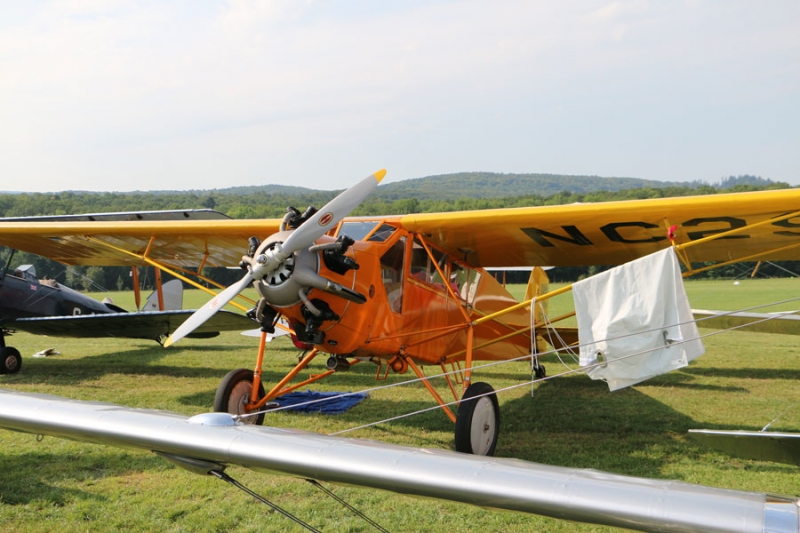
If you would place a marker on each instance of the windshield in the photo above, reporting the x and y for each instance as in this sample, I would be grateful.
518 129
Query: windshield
359 230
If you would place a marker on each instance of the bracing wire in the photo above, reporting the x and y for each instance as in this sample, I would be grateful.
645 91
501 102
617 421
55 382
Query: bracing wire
556 352
350 507
791 407
228 479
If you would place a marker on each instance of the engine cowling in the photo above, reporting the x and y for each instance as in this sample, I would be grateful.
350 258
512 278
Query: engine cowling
281 288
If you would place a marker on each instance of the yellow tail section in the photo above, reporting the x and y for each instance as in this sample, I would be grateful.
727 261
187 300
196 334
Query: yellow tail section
538 284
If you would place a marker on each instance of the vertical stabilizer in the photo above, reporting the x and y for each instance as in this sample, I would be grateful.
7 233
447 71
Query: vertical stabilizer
538 284
173 297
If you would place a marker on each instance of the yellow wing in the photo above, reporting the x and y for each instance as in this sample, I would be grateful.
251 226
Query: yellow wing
181 243
617 232
566 235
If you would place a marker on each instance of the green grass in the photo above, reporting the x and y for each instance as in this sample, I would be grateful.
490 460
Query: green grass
744 380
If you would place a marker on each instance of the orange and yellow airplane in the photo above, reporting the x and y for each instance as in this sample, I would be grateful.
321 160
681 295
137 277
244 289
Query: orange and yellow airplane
409 292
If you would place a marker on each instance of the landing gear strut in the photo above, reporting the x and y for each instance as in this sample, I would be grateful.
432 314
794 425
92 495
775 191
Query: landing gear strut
478 420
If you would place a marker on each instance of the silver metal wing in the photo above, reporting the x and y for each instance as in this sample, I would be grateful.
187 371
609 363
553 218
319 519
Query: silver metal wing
211 441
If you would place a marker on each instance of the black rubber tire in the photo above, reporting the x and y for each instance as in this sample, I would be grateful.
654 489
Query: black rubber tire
478 420
233 394
540 372
10 360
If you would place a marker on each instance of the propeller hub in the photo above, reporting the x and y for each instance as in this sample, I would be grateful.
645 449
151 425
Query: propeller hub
278 285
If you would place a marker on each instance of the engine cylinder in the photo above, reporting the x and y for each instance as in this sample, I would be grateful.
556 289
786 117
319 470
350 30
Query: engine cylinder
279 288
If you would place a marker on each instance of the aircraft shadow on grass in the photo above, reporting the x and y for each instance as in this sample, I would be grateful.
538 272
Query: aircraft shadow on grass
133 362
554 427
681 379
745 373
47 473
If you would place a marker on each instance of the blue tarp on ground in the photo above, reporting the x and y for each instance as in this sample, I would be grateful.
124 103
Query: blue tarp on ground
336 402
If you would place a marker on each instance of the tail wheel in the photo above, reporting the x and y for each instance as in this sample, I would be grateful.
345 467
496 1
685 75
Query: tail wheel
10 360
478 420
233 395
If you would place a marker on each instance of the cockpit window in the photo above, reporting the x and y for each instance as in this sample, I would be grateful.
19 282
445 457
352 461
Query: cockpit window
392 274
382 233
359 229
422 267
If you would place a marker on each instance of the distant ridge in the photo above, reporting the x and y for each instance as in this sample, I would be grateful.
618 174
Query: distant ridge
487 185
472 185
283 190
497 185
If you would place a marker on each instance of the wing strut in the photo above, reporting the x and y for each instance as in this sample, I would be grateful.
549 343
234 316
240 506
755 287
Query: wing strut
345 504
228 479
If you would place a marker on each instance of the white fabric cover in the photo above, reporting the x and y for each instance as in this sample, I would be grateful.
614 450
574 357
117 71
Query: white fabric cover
636 308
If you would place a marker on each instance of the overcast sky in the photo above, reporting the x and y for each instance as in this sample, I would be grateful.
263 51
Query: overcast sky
136 95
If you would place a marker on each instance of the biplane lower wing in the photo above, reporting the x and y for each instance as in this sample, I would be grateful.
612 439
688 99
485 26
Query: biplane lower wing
149 325
207 443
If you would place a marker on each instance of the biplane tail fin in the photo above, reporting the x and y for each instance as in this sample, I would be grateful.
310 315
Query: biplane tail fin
172 295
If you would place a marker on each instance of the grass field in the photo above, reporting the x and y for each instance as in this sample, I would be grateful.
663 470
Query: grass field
745 380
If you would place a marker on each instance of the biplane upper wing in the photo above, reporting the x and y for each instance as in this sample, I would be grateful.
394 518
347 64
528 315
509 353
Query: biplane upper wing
612 233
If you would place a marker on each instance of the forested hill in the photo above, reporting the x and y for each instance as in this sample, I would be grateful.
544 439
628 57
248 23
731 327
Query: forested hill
494 185
464 191
500 185
481 185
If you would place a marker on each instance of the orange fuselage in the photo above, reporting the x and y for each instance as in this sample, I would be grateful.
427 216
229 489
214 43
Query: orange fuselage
409 309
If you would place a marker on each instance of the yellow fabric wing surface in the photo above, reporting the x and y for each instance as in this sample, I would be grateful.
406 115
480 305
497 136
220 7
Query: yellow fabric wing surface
186 244
565 235
616 232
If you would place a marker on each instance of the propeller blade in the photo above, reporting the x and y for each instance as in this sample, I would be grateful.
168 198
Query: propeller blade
303 237
209 309
330 215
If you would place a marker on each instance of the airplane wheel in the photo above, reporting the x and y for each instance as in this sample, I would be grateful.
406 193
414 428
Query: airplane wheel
233 394
11 360
478 420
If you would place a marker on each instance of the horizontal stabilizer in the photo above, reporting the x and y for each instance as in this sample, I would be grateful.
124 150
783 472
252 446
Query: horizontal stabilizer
758 445
786 322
